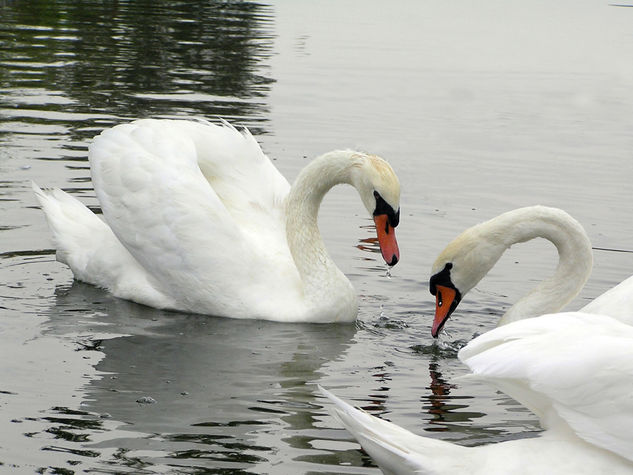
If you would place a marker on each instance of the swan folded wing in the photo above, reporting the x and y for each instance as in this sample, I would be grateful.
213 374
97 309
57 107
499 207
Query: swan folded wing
397 450
571 367
163 210
237 169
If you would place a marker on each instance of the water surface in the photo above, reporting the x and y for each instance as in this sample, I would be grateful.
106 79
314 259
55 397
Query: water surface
480 108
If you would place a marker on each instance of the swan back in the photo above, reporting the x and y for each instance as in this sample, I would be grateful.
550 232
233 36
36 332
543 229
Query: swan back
241 176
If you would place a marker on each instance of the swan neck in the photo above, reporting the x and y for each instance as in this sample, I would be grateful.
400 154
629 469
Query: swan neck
575 258
304 239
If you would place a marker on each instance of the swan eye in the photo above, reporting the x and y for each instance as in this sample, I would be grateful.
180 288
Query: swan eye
440 302
382 207
441 278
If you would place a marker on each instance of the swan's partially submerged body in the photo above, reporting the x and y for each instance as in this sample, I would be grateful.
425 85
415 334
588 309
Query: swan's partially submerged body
573 370
198 219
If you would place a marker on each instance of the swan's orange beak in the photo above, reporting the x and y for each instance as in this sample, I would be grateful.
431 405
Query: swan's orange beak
387 239
445 302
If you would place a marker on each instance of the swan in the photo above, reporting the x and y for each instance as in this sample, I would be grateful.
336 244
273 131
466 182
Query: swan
470 256
573 370
198 219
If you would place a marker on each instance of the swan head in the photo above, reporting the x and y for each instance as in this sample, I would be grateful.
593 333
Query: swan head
458 268
379 190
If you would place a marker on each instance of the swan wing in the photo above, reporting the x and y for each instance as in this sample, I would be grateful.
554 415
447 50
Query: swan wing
233 163
192 201
394 449
616 302
573 370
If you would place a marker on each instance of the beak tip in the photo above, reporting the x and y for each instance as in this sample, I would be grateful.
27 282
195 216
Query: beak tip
394 260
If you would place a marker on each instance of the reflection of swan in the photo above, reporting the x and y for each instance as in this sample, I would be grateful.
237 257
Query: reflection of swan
574 371
440 395
469 257
199 220
231 394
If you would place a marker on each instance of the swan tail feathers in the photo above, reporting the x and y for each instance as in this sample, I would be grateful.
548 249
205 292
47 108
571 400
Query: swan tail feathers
88 246
394 449
71 223
227 124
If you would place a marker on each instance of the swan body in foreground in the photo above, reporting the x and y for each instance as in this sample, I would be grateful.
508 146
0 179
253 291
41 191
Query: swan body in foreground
573 370
469 257
197 219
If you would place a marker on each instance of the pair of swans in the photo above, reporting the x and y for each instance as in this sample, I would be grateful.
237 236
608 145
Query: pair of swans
198 219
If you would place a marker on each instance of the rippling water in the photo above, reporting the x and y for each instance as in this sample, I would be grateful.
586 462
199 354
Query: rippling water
479 107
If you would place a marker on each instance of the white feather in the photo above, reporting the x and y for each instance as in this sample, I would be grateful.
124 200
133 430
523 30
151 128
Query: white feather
616 302
198 219
573 370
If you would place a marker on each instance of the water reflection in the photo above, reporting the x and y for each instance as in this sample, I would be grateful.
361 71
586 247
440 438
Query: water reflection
440 390
227 392
134 59
454 409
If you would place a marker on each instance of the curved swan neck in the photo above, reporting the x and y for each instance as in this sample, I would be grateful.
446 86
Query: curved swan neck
574 251
305 242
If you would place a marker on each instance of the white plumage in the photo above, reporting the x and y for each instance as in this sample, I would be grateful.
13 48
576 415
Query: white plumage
616 302
471 255
198 219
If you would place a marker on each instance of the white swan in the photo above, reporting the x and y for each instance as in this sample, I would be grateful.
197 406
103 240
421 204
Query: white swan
198 219
469 257
574 371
